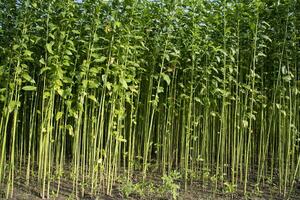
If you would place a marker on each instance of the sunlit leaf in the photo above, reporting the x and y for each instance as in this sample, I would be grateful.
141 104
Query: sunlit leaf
29 88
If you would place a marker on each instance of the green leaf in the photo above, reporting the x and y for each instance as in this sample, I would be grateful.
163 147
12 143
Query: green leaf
278 105
121 139
49 47
267 38
93 98
34 5
27 53
222 51
117 24
44 69
245 123
15 47
94 70
29 88
283 112
160 90
58 116
12 105
2 98
70 129
261 54
100 60
46 94
166 78
68 52
108 85
197 99
123 83
214 114
60 92
42 61
287 78
76 32
27 77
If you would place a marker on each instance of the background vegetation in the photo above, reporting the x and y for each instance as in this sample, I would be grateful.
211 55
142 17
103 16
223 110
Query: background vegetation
99 89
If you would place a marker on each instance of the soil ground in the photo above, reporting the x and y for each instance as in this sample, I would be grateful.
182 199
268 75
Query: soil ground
196 191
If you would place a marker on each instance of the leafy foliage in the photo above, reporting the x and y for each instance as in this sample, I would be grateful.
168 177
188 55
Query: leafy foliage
111 87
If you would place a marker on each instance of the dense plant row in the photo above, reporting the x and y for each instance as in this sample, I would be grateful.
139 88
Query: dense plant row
105 88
